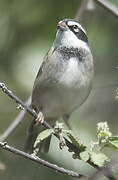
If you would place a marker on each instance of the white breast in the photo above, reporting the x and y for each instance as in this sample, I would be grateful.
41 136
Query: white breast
74 75
71 73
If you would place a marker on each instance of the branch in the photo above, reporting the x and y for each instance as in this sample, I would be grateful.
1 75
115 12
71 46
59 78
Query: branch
107 172
21 104
15 123
38 160
81 10
98 174
71 146
108 6
85 5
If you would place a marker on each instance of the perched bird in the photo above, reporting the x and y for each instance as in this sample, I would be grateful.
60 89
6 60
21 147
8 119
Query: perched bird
64 79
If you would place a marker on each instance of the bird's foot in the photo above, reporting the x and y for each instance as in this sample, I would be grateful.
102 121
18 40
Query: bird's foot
40 118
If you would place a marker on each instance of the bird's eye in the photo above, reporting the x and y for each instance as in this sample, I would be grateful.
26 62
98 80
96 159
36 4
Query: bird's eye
75 28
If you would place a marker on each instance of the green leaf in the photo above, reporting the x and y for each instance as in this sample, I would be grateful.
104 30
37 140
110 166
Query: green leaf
75 140
99 159
43 135
113 142
84 156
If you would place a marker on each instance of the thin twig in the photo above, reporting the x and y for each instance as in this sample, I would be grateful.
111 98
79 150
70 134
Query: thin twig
107 172
21 103
81 10
104 170
15 123
38 160
108 6
86 5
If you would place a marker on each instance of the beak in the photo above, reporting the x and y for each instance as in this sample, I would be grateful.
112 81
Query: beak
62 25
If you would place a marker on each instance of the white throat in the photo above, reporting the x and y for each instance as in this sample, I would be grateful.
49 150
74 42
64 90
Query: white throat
69 39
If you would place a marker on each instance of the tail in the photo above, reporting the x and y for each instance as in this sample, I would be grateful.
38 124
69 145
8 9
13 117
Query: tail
33 132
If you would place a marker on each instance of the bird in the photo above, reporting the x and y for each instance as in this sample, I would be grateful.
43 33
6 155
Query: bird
64 79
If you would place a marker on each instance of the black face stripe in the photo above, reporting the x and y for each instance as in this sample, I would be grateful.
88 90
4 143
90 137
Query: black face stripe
80 34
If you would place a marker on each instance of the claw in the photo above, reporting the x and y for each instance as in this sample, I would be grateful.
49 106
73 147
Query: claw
40 118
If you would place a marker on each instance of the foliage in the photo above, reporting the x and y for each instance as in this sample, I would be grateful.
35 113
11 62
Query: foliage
91 154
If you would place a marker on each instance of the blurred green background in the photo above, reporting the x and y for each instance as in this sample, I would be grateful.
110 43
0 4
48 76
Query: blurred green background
27 30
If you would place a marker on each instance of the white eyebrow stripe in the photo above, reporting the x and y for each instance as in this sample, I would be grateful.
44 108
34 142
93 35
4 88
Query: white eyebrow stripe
71 23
